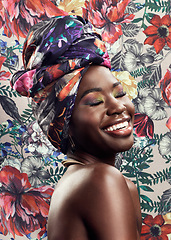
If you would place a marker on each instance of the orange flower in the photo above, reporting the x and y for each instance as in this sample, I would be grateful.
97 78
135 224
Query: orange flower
160 33
24 209
165 85
17 17
108 16
155 229
3 75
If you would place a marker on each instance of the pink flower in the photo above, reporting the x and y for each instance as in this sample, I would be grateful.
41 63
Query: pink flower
24 83
16 17
165 85
107 15
143 125
23 209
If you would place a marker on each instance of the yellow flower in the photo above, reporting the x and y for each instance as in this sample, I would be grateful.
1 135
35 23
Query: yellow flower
128 82
72 7
167 219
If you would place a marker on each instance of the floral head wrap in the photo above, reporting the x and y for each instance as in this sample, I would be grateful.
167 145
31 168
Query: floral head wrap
56 54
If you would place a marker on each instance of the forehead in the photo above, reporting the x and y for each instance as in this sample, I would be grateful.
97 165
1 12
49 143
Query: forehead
97 77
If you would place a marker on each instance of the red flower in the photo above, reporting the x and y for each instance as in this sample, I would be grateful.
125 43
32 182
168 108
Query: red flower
107 14
17 16
143 125
155 229
165 85
160 33
23 209
168 123
3 75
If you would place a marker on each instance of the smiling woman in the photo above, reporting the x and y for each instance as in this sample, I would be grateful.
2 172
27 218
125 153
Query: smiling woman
102 119
86 114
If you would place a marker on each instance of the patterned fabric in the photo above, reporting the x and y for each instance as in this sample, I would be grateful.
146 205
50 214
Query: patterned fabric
56 54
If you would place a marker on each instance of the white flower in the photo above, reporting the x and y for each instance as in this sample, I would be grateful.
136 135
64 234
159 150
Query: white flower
139 102
33 167
37 142
154 105
12 162
133 57
165 145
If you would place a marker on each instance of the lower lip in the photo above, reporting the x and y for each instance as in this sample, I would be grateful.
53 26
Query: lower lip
121 132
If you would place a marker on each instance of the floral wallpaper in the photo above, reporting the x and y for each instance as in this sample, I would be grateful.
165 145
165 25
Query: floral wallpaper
138 37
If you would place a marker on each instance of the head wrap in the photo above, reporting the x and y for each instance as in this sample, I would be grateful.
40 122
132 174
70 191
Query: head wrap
56 54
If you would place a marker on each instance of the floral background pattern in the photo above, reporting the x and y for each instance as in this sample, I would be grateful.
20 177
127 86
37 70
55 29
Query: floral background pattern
138 37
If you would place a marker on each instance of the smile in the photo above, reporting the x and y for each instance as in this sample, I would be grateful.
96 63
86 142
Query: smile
117 126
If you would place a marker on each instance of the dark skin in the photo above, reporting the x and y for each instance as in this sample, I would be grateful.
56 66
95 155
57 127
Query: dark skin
95 201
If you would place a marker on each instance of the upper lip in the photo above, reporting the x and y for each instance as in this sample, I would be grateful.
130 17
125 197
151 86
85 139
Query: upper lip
119 120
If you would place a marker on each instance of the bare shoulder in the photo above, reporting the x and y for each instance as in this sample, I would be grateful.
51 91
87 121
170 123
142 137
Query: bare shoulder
107 196
135 197
94 179
79 178
100 197
131 186
105 180
106 204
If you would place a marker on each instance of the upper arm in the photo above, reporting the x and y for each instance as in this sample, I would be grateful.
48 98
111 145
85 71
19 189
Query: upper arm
135 197
108 209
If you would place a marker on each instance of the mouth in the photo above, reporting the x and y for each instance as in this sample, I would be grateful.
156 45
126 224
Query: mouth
117 126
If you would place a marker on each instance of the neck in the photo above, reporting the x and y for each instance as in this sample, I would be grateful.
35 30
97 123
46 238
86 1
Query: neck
87 158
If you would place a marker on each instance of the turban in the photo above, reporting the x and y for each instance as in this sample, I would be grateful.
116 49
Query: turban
56 54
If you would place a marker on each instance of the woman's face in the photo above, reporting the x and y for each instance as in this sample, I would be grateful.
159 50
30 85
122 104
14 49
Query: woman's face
102 119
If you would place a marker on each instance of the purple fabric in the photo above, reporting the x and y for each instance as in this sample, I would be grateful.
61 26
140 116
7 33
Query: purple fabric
56 54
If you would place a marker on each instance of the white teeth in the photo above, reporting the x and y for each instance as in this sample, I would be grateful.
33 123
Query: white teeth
117 126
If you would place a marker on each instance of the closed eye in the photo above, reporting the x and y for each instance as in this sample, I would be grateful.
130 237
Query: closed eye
120 94
94 103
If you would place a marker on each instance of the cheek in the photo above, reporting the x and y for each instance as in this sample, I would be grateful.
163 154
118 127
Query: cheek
87 121
130 107
84 123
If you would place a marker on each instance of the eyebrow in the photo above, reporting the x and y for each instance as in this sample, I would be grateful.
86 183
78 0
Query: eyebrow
97 89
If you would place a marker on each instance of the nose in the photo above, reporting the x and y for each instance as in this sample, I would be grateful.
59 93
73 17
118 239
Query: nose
115 106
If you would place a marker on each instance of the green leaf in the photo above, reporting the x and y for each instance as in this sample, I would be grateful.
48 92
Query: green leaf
129 169
146 188
139 72
136 20
56 170
144 25
51 179
59 177
145 198
129 175
143 166
51 171
150 15
55 178
148 18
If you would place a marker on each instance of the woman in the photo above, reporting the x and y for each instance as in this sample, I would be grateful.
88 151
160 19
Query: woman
85 113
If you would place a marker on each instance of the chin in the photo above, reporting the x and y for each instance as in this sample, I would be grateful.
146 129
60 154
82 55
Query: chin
125 145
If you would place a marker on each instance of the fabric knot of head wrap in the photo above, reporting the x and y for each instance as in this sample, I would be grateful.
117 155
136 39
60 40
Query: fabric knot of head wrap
56 54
